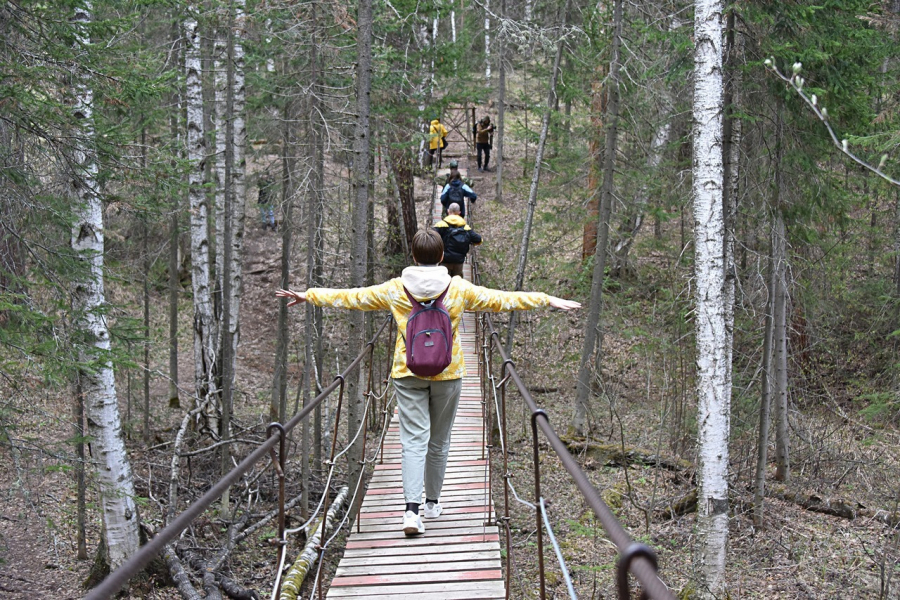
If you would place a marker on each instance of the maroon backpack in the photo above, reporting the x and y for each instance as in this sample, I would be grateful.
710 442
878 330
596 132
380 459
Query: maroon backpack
429 336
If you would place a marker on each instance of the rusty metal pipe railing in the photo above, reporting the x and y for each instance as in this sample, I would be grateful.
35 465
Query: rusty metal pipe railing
635 558
118 578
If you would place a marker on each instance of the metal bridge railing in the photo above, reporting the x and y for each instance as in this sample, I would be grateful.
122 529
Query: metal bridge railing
635 558
276 437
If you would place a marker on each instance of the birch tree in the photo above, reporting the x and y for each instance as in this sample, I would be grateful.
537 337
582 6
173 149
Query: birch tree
204 319
713 392
97 380
487 39
501 101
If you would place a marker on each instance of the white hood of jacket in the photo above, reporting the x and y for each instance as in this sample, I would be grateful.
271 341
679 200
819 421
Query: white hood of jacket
425 283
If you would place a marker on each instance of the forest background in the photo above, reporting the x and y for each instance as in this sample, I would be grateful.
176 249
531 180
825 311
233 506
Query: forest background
142 351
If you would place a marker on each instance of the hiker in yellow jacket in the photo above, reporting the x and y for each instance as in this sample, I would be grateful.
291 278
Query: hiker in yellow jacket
426 405
437 139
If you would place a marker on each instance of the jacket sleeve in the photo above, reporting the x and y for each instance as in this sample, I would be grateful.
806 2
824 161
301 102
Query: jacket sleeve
469 192
444 192
375 297
479 298
474 237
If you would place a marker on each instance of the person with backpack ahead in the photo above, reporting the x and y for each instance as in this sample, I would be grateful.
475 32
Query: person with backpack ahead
427 372
437 139
484 141
457 237
456 192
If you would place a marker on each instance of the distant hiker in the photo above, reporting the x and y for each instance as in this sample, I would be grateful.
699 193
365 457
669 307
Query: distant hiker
264 200
484 141
437 139
457 237
454 172
426 403
456 191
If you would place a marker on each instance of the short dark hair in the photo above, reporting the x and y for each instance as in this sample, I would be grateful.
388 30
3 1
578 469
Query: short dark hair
427 247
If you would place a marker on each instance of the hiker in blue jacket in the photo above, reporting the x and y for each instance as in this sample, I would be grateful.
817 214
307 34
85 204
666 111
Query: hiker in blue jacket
456 192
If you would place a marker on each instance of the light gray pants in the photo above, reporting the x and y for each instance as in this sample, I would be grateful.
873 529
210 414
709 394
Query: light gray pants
427 410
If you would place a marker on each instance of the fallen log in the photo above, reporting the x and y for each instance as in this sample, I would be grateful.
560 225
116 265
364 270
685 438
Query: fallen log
616 455
836 507
811 501
290 589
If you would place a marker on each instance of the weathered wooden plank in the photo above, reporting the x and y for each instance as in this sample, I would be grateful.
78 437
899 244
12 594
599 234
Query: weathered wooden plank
424 550
455 590
395 568
419 559
423 540
434 577
454 530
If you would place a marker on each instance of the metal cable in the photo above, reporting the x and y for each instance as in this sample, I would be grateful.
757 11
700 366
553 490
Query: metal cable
556 548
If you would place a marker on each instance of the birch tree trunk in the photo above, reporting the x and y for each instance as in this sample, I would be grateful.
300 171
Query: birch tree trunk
501 102
592 335
218 117
535 181
714 394
358 232
120 518
238 182
487 39
204 322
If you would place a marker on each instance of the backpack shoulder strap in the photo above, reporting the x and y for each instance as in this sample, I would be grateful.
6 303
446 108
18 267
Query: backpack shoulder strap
412 300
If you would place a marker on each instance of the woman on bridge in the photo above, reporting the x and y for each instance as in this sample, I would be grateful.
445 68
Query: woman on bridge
427 404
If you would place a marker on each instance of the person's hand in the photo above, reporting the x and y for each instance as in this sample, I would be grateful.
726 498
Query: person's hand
564 304
296 297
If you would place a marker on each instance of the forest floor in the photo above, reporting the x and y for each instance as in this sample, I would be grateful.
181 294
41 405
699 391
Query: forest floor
798 554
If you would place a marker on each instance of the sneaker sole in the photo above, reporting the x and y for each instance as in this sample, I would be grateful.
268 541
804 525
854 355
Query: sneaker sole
412 531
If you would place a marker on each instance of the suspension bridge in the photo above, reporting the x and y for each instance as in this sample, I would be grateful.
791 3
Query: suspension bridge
459 556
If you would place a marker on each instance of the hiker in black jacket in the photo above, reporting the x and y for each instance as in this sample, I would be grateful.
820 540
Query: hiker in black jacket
457 237
456 192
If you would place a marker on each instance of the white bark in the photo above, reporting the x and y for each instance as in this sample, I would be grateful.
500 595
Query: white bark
238 177
88 300
204 322
487 39
714 395
220 83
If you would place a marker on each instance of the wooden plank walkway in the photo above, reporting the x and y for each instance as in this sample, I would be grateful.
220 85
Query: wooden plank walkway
458 557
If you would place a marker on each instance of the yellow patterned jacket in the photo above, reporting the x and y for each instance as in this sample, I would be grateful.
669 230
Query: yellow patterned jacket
462 296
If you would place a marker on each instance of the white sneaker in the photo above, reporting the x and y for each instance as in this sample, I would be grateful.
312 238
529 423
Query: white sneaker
412 523
433 510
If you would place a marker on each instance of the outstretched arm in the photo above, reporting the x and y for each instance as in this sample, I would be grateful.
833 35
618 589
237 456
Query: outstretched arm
374 297
563 304
485 299
295 297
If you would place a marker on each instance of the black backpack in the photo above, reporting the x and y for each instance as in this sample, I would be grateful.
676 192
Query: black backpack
455 194
457 241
